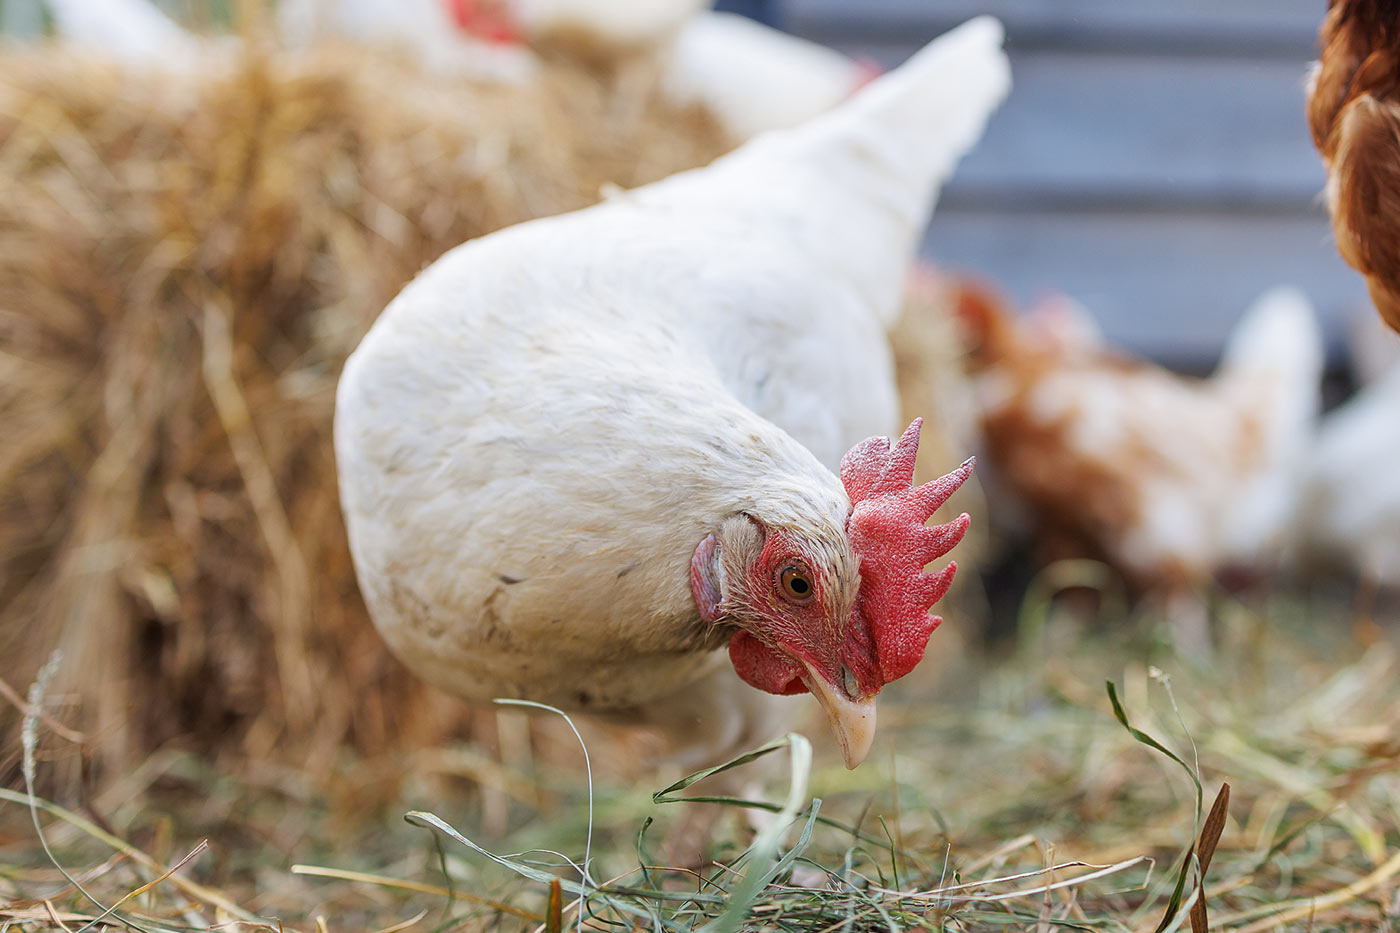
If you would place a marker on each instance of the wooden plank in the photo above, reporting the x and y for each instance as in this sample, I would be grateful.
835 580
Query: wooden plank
1222 26
1169 285
1149 130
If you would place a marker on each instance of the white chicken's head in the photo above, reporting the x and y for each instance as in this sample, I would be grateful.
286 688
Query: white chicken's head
836 611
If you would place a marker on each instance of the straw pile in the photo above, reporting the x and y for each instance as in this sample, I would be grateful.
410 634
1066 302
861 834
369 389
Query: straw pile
184 265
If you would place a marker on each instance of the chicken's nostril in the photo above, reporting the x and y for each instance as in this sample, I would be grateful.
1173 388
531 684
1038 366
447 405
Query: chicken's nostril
848 682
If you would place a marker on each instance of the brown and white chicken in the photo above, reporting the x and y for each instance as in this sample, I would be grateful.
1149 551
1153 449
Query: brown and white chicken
1168 478
614 460
1354 111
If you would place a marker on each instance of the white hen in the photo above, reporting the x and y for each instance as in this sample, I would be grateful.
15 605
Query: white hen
581 454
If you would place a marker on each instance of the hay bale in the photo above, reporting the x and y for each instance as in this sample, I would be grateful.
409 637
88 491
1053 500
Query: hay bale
184 267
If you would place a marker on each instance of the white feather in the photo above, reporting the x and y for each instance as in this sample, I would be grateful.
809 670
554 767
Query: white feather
133 32
755 78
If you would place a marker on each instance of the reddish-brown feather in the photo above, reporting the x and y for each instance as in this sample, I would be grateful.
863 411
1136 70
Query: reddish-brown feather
1354 112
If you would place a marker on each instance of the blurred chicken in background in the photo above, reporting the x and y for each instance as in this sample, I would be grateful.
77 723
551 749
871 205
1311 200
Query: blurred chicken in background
753 77
449 37
132 32
1349 506
1354 111
1168 478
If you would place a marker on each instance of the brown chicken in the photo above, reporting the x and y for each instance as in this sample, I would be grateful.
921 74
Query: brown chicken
1170 479
1354 111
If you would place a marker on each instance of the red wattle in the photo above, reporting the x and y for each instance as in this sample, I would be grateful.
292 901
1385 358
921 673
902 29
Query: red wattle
762 667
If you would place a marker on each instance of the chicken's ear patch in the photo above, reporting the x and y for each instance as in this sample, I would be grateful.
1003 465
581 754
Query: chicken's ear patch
706 579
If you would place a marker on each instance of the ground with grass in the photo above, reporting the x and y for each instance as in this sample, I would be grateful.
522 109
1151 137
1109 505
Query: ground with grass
1005 792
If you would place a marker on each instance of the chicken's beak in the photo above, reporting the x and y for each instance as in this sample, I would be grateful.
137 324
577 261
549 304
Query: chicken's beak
853 721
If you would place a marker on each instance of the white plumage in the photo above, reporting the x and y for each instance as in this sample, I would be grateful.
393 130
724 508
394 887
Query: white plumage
1351 493
755 78
132 32
537 432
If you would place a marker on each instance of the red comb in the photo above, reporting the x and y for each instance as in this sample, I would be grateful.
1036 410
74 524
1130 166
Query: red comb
887 531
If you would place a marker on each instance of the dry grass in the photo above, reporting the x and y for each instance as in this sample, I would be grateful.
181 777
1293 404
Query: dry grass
1013 777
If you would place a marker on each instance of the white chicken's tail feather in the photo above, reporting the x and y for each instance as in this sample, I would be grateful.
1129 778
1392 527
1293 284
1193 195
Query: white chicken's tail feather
854 187
897 142
925 115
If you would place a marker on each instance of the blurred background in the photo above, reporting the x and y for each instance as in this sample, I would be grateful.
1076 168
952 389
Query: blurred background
1153 162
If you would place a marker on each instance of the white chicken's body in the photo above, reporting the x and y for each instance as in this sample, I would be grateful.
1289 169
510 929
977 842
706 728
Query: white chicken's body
539 430
599 492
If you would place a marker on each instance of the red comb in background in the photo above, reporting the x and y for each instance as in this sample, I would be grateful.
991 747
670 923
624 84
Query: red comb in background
487 20
887 531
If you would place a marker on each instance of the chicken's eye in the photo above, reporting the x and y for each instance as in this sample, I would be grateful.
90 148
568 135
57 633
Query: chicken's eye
795 584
